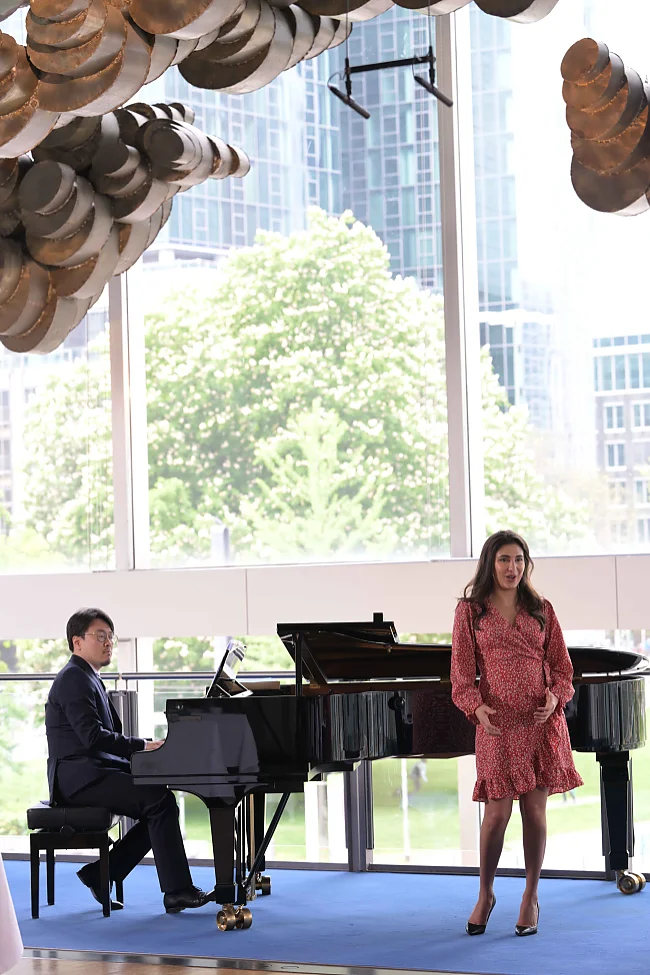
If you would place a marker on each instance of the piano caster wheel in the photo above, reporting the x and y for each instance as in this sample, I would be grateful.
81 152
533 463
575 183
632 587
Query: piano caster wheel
226 918
244 918
263 884
630 883
231 917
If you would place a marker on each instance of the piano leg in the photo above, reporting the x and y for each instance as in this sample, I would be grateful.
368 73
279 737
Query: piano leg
231 827
222 827
226 845
618 824
255 838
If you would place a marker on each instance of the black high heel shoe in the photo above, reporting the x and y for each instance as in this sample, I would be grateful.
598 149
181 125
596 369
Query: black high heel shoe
480 928
523 930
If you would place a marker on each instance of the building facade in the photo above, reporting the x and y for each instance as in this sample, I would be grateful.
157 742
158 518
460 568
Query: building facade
622 386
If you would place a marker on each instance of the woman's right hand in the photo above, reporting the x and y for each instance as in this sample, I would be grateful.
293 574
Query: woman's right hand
483 713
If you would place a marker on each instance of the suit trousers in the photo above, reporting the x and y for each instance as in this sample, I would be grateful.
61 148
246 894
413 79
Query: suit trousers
157 827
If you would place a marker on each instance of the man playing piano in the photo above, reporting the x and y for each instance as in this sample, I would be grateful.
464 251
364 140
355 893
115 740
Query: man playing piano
89 765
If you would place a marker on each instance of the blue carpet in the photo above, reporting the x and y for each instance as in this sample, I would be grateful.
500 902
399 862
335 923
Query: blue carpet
380 920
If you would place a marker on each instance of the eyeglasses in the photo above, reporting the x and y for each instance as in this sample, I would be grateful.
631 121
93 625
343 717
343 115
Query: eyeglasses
103 637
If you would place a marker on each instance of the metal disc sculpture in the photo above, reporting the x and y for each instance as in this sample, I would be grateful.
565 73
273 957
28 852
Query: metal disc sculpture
100 180
89 57
608 114
86 205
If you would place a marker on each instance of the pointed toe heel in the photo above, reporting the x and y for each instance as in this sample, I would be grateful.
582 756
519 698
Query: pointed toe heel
525 930
473 929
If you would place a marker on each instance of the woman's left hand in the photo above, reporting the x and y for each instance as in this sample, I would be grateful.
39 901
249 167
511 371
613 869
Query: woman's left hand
544 713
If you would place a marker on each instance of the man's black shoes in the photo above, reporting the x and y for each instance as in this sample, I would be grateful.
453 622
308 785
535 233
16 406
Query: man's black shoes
89 876
188 897
174 902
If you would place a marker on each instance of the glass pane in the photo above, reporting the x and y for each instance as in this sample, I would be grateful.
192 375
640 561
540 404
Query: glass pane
312 827
177 654
576 342
33 656
56 487
23 758
415 810
296 380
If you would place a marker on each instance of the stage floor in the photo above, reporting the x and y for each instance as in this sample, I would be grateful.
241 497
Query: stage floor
317 921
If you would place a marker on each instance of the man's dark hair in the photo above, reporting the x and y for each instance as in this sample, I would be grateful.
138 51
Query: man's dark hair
79 623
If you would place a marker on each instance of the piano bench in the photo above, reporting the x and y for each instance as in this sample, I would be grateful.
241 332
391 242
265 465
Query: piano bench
69 828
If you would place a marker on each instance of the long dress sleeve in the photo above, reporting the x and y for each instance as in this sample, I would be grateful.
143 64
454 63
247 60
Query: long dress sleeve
464 692
557 662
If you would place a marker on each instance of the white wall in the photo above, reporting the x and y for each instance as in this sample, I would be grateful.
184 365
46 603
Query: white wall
599 592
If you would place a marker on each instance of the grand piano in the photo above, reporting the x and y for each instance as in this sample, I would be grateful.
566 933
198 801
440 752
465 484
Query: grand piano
360 695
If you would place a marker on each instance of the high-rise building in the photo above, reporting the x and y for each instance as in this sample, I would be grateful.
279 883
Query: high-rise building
310 150
390 162
622 386
291 131
517 326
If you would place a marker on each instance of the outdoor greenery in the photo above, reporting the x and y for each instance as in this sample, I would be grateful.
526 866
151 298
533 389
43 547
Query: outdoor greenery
301 405
433 810
12 712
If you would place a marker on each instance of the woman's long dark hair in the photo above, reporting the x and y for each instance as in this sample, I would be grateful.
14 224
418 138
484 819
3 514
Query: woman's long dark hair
480 588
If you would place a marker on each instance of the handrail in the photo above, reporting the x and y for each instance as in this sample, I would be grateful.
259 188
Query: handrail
159 675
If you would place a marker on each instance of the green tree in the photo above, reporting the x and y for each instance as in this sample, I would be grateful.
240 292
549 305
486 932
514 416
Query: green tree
312 316
68 470
42 656
12 714
302 403
311 501
516 495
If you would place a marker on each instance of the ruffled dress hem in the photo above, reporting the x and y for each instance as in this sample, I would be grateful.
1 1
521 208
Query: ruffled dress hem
511 787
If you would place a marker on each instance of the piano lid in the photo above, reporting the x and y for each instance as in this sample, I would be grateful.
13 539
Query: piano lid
362 651
372 651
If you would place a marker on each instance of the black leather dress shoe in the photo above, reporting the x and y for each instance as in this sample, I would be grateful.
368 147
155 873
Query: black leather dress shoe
89 876
189 897
524 930
480 928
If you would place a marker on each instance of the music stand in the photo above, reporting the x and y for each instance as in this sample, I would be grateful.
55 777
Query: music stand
225 683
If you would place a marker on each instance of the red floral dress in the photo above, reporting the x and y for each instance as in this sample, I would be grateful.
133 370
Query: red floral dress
516 663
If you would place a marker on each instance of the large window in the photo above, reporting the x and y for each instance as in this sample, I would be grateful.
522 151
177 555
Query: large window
56 490
566 357
295 353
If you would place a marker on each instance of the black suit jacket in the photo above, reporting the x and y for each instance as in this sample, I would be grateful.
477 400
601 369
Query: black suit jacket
84 732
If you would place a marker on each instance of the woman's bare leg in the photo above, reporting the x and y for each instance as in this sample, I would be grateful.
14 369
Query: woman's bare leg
533 818
493 828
